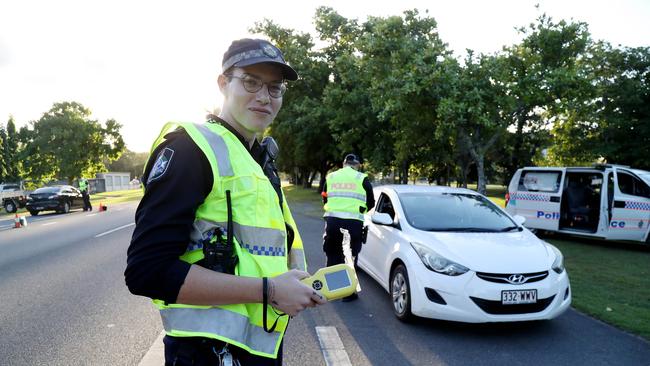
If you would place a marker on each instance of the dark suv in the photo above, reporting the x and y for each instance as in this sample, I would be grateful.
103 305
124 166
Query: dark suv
56 198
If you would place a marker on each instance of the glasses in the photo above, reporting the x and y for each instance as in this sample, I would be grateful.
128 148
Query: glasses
253 85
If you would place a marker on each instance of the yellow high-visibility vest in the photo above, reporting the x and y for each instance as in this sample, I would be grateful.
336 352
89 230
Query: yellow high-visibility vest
260 243
345 194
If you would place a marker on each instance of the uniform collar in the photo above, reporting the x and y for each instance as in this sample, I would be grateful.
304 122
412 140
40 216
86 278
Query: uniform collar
255 150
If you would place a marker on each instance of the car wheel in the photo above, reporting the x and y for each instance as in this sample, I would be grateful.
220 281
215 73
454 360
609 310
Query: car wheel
66 207
401 293
10 207
33 213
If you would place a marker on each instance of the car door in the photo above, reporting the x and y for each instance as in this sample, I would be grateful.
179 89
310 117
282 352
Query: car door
384 238
65 195
538 198
77 199
630 215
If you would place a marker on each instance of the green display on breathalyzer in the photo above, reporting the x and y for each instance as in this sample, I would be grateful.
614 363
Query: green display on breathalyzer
334 282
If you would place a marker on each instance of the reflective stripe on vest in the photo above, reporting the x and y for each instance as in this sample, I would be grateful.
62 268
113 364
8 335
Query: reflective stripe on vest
356 196
257 240
219 148
297 259
344 215
230 326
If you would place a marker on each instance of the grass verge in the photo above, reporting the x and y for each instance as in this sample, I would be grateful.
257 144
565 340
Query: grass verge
610 281
116 196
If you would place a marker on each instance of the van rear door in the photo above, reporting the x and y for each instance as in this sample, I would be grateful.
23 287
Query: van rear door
536 196
629 205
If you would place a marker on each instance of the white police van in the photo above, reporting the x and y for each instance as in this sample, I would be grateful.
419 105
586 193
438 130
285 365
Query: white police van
607 201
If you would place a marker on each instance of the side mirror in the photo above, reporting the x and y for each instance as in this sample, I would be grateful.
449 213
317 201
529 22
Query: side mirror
381 218
519 219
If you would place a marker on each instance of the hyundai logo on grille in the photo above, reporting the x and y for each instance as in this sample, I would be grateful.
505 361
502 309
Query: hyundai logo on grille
517 279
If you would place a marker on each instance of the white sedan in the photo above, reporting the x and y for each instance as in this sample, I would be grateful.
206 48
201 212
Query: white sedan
452 254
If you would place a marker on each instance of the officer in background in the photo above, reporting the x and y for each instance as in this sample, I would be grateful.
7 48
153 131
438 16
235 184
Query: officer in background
85 188
347 195
215 244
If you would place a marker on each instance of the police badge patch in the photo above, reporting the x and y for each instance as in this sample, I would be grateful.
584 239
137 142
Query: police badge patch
269 51
162 163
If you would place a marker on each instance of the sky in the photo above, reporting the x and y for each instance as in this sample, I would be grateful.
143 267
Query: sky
144 63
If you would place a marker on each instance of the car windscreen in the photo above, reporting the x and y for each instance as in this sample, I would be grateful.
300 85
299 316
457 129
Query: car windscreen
47 190
454 212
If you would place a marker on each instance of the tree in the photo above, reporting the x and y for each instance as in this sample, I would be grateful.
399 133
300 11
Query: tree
353 122
546 79
66 144
625 106
404 58
129 161
3 160
474 110
301 127
10 167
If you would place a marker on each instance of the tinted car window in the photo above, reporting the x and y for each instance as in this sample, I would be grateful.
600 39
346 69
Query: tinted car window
454 212
385 206
632 185
47 190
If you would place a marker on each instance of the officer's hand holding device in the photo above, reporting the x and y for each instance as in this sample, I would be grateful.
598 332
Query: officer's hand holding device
334 282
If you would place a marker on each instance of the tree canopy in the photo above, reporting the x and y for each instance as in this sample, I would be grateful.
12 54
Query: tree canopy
390 90
65 143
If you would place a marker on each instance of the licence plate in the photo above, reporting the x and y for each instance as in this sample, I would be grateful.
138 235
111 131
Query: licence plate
512 297
39 208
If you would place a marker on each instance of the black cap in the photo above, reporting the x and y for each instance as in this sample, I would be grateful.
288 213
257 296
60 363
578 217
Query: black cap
351 159
246 52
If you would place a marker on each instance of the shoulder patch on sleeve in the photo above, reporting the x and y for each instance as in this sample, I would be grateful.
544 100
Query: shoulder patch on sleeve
162 163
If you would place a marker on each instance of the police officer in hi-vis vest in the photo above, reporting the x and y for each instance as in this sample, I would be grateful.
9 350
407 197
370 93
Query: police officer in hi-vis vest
215 245
85 194
347 195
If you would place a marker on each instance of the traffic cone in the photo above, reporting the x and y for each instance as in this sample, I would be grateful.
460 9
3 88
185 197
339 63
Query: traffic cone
101 207
23 221
16 222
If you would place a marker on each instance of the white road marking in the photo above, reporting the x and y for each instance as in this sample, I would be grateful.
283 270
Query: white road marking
91 214
332 347
156 354
49 223
116 229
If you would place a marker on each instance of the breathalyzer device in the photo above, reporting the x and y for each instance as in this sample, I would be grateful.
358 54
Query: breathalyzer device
334 282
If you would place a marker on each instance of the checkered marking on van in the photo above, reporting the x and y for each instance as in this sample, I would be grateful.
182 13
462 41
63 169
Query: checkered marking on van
641 206
263 250
532 197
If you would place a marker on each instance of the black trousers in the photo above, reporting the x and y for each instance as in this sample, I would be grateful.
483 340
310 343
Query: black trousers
197 351
333 239
86 198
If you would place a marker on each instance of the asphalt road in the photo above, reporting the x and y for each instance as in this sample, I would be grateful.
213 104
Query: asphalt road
64 303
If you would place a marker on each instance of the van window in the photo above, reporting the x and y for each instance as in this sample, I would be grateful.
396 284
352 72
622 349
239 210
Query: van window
540 181
629 184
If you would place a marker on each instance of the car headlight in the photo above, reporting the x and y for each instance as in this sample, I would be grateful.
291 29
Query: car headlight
438 263
51 197
30 199
558 263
